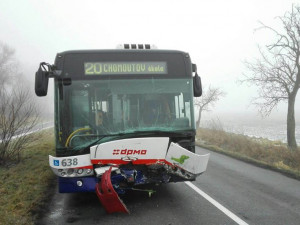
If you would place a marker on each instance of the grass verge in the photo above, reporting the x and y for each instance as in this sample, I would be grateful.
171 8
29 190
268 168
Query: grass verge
25 186
261 152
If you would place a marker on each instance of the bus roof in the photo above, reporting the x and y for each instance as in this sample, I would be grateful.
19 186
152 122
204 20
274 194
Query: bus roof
121 51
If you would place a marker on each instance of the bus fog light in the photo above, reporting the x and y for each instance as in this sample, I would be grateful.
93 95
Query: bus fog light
79 183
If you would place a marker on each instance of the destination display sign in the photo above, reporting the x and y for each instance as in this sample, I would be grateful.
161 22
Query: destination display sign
119 68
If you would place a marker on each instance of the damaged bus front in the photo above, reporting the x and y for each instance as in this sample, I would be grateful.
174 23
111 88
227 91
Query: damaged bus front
123 118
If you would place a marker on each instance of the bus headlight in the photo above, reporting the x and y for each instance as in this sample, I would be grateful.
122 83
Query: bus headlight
71 172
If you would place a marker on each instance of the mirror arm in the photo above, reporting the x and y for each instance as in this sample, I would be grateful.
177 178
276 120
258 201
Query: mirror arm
51 70
55 73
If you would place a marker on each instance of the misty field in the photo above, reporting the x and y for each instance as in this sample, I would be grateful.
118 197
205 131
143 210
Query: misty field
271 154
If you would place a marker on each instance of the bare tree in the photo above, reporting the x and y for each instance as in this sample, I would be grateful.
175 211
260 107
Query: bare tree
207 101
277 72
17 118
18 113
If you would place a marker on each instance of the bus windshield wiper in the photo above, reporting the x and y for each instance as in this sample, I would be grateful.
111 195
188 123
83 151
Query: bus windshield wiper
101 137
156 133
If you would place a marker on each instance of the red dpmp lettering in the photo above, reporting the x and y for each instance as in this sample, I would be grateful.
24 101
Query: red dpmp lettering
129 152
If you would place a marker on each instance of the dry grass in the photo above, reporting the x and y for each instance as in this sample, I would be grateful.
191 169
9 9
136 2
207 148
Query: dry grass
25 186
272 154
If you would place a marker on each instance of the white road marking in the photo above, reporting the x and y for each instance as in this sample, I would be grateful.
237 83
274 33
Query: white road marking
31 132
216 204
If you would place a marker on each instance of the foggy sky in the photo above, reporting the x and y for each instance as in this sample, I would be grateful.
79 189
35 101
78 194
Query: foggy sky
218 34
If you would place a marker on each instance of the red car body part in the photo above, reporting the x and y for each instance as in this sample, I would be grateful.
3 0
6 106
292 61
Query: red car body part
108 196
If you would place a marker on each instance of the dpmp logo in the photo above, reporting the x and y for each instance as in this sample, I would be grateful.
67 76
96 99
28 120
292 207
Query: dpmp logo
56 162
129 152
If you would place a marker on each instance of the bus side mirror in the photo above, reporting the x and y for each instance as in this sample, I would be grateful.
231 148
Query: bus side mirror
197 86
41 81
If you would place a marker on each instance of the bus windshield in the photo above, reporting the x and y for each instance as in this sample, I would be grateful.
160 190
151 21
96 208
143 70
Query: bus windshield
90 109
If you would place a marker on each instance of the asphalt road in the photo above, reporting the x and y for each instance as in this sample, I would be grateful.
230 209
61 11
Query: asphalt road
238 193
